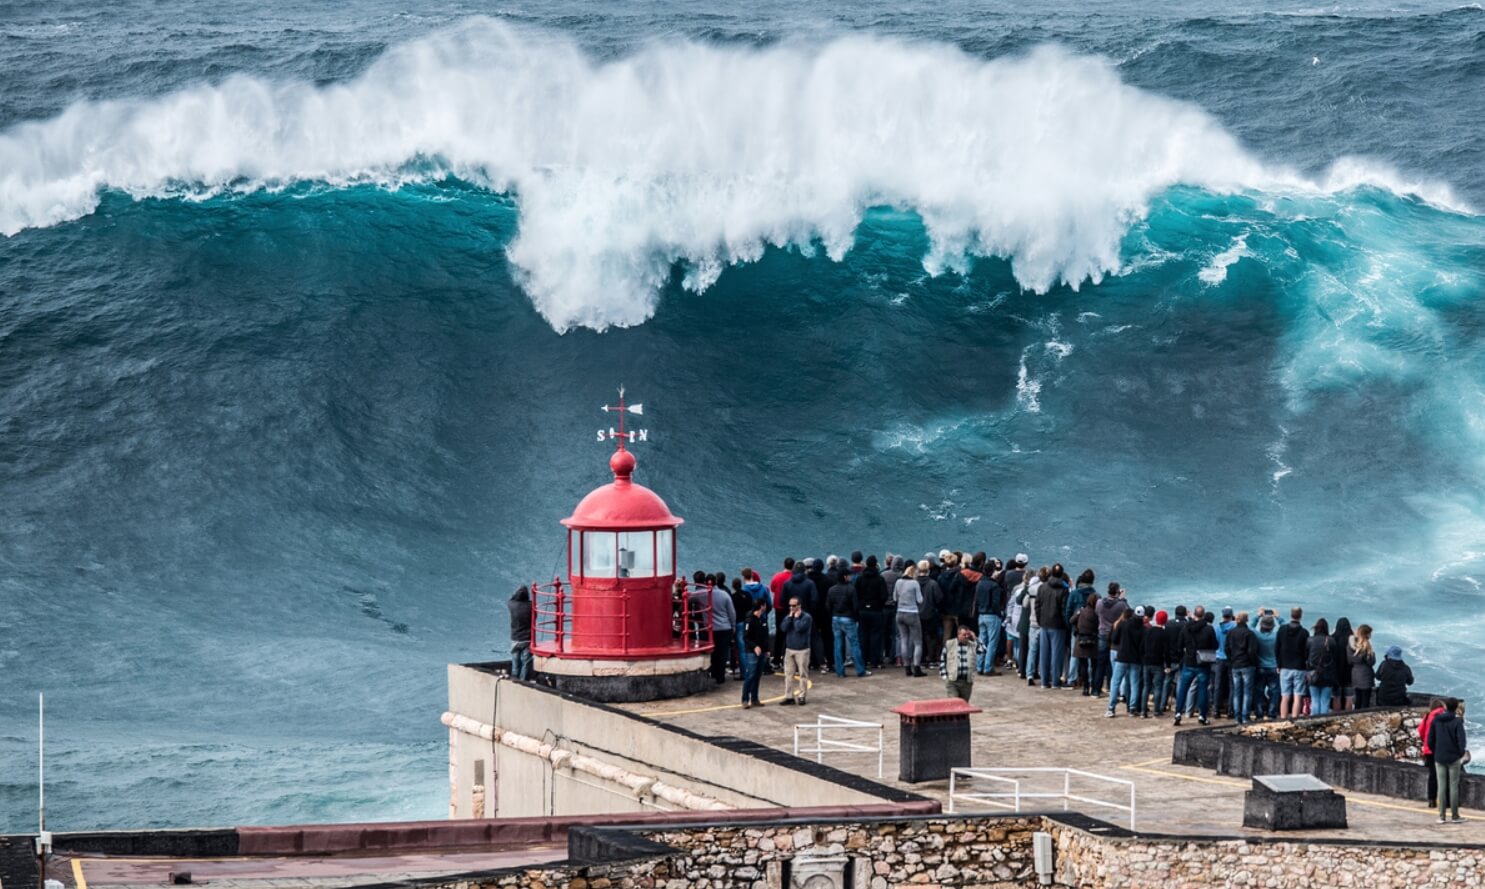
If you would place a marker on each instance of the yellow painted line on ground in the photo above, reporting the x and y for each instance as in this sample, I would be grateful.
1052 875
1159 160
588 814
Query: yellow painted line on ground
1225 782
662 714
77 874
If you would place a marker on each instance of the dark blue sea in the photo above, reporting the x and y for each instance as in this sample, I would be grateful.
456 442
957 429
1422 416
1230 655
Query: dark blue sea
307 308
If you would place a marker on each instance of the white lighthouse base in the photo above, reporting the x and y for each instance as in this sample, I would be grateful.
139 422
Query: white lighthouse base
625 681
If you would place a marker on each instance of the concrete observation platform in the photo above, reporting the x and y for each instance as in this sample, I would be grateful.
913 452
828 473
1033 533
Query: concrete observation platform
1026 727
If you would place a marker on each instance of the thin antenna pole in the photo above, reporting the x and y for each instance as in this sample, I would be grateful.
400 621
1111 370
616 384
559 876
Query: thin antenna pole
41 759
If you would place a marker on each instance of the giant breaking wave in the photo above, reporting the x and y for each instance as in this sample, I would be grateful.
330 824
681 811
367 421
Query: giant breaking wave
685 155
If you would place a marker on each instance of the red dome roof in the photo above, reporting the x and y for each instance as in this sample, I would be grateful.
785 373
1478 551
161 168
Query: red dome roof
622 505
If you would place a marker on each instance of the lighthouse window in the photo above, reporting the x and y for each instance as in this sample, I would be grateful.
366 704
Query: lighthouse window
637 554
598 554
664 550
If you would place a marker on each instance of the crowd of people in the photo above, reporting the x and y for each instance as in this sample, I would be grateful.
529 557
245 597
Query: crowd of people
860 614
968 615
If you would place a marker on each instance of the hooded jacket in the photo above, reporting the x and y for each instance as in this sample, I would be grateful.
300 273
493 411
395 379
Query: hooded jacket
520 616
799 586
1196 635
1051 605
1109 609
871 591
962 596
1446 738
759 593
932 606
1291 644
1076 599
1393 679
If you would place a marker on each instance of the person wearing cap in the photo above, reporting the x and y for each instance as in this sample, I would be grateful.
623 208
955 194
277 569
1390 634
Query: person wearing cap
1393 679
1241 647
1155 652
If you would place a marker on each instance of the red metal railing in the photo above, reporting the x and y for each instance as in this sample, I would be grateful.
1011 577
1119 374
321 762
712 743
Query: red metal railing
605 626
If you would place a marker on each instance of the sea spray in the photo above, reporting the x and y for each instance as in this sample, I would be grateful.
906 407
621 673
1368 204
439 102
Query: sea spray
685 154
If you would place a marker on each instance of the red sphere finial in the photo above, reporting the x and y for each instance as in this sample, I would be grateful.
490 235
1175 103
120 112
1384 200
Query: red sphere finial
622 463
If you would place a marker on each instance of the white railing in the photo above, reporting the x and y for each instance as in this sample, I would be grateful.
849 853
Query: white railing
1017 795
824 745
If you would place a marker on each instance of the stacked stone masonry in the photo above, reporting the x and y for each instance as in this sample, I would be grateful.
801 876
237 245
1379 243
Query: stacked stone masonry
1389 734
996 853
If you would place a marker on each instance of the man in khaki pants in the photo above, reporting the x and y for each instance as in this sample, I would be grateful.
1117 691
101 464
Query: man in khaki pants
797 628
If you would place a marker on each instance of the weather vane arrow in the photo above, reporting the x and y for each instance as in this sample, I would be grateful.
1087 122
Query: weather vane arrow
622 434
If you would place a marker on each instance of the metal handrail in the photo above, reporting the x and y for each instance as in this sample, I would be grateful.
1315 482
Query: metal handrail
552 632
825 745
1066 795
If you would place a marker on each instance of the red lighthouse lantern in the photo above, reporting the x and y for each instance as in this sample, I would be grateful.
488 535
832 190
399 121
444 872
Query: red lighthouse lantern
622 629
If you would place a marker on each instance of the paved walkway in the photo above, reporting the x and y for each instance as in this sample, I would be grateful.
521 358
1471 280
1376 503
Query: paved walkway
1028 727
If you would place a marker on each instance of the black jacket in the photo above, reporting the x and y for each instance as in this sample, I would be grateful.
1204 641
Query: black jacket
520 615
1340 661
1446 738
989 597
1126 639
799 586
871 591
932 606
1156 649
842 598
755 634
1318 662
822 585
1242 648
1393 679
1291 646
1197 635
1051 601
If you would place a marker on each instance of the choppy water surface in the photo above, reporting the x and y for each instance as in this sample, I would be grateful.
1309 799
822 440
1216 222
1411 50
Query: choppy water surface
305 311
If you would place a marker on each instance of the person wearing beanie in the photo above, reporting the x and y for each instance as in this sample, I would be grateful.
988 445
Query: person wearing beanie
1393 679
520 633
1154 667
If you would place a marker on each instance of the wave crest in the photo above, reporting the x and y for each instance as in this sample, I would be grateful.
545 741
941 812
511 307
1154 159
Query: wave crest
683 153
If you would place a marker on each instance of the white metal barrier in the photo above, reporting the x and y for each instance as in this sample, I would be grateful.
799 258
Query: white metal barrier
824 745
1017 795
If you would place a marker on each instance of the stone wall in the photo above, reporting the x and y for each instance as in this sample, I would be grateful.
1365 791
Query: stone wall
1085 859
992 852
1384 734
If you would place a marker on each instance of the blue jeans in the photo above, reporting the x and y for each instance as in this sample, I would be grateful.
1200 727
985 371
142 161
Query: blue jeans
1242 692
1126 679
1033 654
752 666
1320 699
520 660
1016 641
990 635
1054 657
1266 700
1201 674
1156 684
845 635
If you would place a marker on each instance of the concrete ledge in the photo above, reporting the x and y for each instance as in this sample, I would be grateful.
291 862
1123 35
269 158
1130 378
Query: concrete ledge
1227 751
626 688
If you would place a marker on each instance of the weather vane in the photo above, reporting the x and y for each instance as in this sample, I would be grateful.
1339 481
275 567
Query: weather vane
622 435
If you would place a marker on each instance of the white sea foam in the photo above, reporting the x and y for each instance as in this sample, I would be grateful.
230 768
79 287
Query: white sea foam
683 153
1216 271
